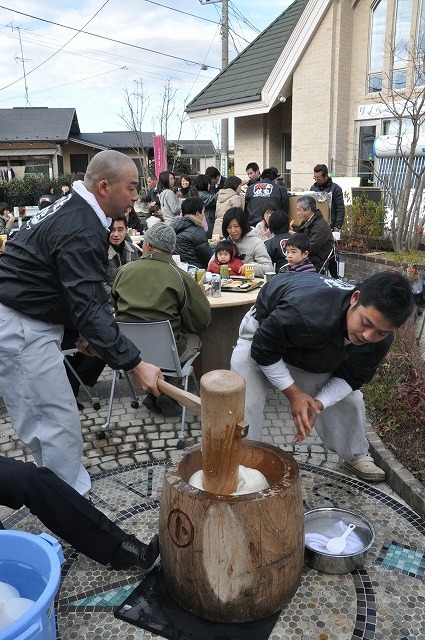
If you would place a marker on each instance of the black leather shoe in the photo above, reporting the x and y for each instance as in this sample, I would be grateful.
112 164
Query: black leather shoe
133 553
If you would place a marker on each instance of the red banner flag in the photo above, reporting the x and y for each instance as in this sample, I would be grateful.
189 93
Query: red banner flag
160 154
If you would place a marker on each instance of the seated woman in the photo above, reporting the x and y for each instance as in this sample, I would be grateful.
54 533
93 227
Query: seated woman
169 202
185 185
203 186
276 246
133 220
262 227
227 197
154 215
192 240
250 247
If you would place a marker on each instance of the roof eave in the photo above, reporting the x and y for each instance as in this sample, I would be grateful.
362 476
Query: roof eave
88 143
280 78
230 111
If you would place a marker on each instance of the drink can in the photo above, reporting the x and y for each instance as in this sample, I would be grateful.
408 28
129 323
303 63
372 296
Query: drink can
224 271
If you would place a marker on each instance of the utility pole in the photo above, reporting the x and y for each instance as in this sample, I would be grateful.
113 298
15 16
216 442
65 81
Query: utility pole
224 151
23 60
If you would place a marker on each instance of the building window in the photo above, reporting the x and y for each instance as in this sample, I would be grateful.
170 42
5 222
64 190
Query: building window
37 165
401 44
377 46
420 48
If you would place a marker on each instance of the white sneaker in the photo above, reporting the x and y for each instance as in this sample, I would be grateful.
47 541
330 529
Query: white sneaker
365 469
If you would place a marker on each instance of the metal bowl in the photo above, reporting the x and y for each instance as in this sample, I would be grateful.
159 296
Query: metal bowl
316 519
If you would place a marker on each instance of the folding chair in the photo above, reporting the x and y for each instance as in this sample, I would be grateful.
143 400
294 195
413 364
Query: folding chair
333 255
157 345
93 399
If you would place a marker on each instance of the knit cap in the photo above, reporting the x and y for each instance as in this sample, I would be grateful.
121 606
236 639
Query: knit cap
161 236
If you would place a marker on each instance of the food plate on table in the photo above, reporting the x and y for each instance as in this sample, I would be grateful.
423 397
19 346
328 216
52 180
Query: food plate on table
240 284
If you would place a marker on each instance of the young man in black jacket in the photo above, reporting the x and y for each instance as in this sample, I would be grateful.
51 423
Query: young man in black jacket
318 340
267 187
52 276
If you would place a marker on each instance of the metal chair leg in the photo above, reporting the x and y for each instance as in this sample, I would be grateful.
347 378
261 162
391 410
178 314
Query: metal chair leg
94 400
135 401
180 442
115 376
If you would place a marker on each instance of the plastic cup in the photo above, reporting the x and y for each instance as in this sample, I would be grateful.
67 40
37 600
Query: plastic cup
249 270
199 274
224 271
269 275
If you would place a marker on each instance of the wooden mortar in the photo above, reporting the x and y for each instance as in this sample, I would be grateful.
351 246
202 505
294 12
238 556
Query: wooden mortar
231 558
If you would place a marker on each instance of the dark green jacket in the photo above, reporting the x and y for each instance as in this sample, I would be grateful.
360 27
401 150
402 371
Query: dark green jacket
154 288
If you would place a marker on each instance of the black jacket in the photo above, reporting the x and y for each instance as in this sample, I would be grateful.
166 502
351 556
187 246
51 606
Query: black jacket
192 241
337 203
54 269
210 202
302 319
255 195
276 248
321 240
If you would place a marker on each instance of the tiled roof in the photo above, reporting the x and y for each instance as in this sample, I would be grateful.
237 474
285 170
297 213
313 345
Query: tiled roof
196 148
22 124
244 78
115 139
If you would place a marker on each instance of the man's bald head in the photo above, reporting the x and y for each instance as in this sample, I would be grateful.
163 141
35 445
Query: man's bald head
112 178
107 165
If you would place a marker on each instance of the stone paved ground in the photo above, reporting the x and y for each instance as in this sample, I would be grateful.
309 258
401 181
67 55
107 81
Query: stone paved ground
136 435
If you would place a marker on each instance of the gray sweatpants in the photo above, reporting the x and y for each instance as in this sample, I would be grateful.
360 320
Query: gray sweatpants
38 396
340 427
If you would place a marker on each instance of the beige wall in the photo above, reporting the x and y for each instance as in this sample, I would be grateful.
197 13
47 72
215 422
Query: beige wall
329 84
321 99
249 143
259 138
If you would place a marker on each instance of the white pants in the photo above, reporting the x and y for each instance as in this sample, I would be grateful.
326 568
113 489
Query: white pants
340 427
38 396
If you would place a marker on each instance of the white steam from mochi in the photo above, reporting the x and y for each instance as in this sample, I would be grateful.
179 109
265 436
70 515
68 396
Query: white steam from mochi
249 481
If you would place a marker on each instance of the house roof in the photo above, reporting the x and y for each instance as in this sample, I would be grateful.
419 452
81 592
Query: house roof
23 124
195 148
115 139
257 77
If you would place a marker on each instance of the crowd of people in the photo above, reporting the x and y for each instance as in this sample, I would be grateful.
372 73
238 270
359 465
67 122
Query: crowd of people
71 271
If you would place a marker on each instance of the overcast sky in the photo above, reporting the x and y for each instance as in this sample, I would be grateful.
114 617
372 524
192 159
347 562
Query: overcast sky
67 68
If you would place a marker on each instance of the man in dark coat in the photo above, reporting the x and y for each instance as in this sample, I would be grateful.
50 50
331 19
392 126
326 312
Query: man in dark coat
316 229
324 183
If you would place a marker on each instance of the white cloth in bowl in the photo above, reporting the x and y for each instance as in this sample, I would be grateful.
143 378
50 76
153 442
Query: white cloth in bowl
317 541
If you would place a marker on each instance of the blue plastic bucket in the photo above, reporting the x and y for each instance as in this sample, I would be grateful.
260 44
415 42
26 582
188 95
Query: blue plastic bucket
32 564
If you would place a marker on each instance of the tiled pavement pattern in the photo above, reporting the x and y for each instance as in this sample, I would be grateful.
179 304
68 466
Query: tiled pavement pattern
383 601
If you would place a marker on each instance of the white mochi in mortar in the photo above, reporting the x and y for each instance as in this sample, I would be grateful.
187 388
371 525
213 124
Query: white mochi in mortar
249 481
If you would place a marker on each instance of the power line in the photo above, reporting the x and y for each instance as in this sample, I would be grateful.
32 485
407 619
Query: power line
99 56
241 17
127 44
164 6
59 50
